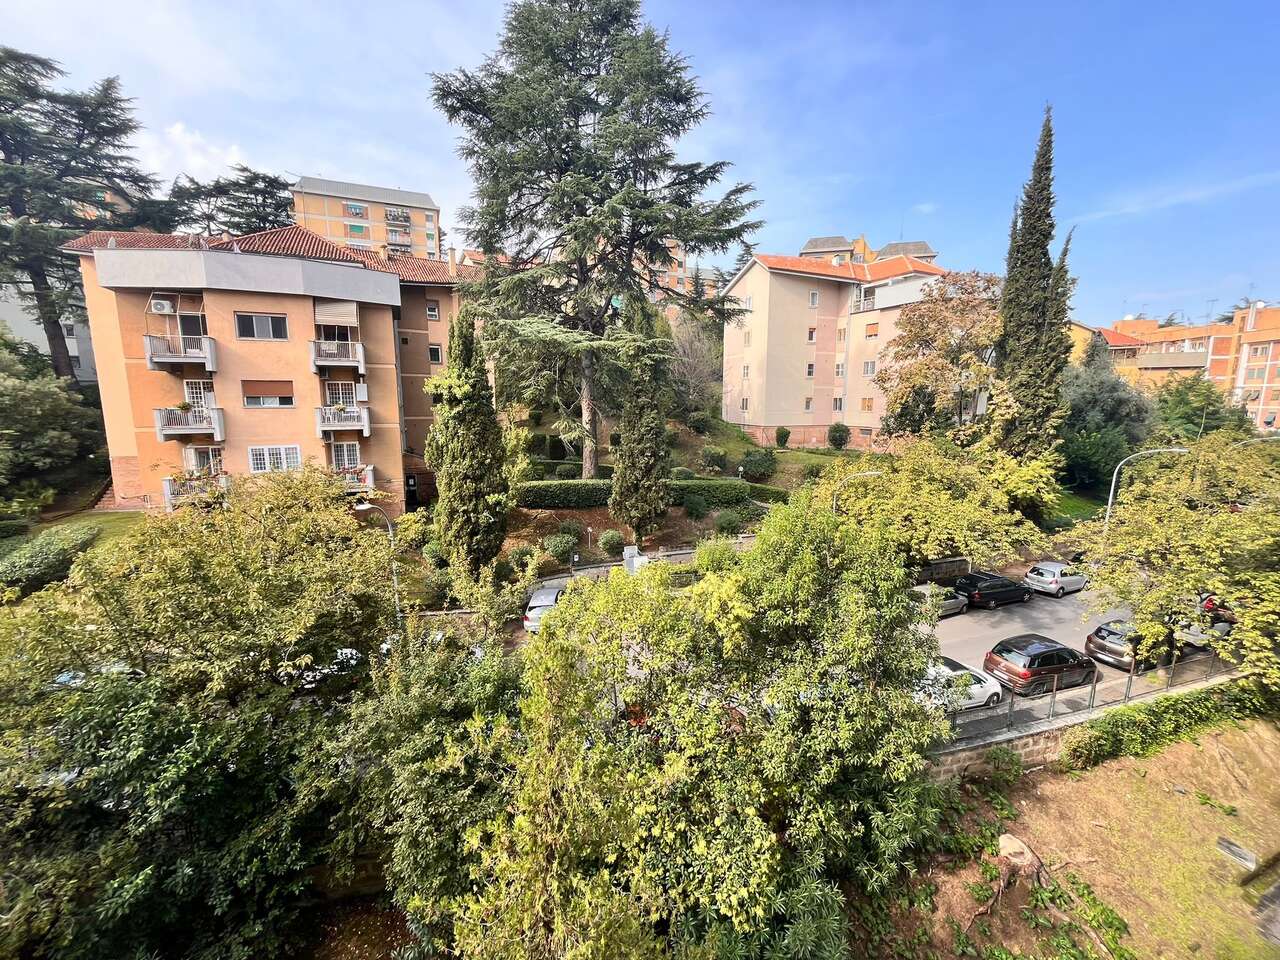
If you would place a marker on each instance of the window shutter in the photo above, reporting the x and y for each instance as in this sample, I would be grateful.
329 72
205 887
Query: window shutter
267 388
362 392
343 313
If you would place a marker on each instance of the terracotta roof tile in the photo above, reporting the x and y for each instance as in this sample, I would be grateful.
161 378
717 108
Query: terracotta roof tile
1115 338
130 240
417 269
290 241
899 266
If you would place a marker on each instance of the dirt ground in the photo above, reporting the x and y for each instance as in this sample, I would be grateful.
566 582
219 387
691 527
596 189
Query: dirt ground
1143 835
530 526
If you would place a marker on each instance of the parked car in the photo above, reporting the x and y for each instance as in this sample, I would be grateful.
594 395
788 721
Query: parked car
982 589
1055 578
983 689
1030 663
540 605
1218 611
1111 643
949 601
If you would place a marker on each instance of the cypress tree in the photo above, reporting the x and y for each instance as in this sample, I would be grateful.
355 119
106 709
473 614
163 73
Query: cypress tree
640 495
1034 344
464 447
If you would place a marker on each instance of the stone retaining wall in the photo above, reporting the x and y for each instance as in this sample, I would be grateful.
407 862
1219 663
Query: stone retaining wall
1034 748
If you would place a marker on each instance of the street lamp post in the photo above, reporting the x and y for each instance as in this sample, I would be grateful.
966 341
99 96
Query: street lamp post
1115 479
853 476
391 534
1245 443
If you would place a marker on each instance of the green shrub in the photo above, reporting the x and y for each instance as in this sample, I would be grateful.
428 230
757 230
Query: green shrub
535 418
17 527
751 511
672 436
611 542
573 528
837 436
728 522
759 465
46 557
435 584
714 458
781 436
414 529
563 494
560 546
699 421
682 473
536 471
556 449
768 494
568 471
519 556
435 554
812 471
715 555
503 571
1142 728
536 444
695 506
615 438
716 492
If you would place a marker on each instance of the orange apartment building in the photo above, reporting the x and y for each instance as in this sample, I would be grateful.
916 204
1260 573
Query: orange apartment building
1241 357
229 356
805 355
839 250
377 219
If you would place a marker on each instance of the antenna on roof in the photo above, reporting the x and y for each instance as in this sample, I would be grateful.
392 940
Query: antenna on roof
111 243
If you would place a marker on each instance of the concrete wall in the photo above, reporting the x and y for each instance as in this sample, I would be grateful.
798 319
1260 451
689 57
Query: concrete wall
326 216
1034 749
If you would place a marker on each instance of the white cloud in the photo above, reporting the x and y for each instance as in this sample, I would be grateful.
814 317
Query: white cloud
925 209
179 149
1150 201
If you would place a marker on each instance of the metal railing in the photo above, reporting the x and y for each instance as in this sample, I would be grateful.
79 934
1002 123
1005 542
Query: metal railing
358 479
863 305
1018 710
176 348
342 418
171 421
178 490
337 352
397 215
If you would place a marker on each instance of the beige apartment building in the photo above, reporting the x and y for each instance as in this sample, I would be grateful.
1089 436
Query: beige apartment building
1241 357
376 219
229 356
807 351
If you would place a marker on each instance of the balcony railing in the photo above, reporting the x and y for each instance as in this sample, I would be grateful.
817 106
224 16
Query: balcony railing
177 349
1174 360
336 353
863 305
173 422
357 479
397 215
342 418
180 490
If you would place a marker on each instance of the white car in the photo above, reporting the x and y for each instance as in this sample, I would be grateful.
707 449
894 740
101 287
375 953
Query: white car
540 605
1055 578
983 690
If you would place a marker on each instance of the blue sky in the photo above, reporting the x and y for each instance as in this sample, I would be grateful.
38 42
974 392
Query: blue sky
886 119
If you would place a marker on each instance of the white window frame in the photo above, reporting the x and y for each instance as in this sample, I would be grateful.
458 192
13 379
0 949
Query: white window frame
439 353
336 393
198 393
213 454
837 404
340 454
812 335
813 299
839 368
433 309
263 402
1257 350
746 371
746 404
808 371
808 404
357 211
746 302
868 368
746 338
286 456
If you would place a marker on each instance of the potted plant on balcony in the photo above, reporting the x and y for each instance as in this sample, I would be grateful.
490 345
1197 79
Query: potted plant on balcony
339 408
183 406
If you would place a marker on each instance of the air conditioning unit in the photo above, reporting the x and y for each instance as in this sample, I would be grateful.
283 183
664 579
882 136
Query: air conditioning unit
162 306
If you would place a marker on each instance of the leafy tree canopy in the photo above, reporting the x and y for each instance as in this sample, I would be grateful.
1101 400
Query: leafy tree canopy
1096 397
245 202
1189 407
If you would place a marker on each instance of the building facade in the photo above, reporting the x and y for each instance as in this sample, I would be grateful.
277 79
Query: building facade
259 353
806 353
20 320
376 219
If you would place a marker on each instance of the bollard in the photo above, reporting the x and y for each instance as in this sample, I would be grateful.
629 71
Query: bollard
1053 695
1128 684
1093 687
1008 717
1173 666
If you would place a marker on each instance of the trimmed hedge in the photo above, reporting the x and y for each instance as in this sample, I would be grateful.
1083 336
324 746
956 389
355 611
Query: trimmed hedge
766 494
682 473
728 522
716 493
45 558
1140 729
563 494
695 508
543 468
759 465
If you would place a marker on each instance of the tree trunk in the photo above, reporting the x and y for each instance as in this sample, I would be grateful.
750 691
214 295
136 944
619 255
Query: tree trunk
51 321
590 453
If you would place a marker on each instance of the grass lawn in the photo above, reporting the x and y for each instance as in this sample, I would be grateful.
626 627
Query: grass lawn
113 523
1078 505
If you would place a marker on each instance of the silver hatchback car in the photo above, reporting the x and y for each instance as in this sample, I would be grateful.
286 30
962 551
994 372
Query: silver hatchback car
1055 578
949 601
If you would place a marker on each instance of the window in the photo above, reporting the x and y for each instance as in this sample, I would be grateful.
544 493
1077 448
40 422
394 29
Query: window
267 393
198 393
868 368
431 218
746 338
100 196
1259 350
435 353
840 335
340 393
837 404
746 371
357 231
745 403
261 326
69 330
873 330
75 362
355 210
268 459
746 303
346 455
839 369
813 298
813 335
865 404
433 309
808 369
808 404
204 459
864 431
1256 373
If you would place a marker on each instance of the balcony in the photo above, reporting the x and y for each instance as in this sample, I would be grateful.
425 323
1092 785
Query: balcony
173 423
178 350
357 479
187 489
336 353
397 215
1174 360
342 418
863 305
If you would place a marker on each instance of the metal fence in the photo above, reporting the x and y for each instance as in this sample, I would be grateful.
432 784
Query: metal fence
1017 710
